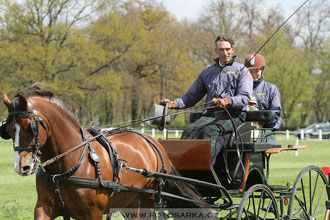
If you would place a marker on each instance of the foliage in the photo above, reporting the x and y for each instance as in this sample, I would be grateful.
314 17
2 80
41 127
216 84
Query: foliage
285 65
322 84
108 60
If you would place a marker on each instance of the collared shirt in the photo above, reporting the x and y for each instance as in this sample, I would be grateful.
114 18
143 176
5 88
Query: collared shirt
231 80
268 98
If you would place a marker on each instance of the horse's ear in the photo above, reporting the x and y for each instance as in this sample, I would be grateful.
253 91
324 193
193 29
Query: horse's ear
6 100
22 102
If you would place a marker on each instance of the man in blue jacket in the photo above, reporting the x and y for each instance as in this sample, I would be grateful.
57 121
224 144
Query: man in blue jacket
226 84
266 93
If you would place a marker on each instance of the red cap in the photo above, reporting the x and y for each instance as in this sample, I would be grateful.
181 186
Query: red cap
254 61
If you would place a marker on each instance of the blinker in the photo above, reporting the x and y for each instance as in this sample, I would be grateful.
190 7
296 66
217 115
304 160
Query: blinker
3 132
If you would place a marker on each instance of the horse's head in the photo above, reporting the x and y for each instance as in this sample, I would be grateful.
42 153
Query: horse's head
28 131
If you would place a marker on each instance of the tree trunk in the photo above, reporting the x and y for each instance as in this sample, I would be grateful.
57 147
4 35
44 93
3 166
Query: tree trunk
135 103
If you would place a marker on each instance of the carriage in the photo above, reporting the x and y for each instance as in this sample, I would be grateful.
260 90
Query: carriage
84 173
242 167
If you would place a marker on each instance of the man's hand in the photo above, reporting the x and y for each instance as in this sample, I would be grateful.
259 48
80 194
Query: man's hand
221 103
171 104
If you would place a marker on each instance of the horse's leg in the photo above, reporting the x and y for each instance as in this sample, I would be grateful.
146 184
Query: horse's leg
133 210
42 211
147 204
46 206
95 214
147 200
141 207
84 203
122 202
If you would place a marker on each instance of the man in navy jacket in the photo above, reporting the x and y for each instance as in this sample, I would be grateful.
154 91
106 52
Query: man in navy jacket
226 84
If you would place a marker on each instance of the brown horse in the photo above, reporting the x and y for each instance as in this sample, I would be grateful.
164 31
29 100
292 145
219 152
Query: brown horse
42 128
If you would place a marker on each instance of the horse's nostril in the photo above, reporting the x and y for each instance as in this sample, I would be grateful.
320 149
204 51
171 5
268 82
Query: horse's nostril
25 169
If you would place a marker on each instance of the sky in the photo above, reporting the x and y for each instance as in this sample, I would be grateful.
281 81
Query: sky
190 9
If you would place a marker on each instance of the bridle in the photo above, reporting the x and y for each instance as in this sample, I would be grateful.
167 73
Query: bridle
35 120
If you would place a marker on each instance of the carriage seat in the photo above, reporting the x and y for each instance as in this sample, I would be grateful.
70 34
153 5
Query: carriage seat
252 138
252 135
260 116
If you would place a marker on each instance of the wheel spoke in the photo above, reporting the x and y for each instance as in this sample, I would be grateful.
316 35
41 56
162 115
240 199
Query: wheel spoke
314 191
303 194
254 204
247 213
319 200
268 208
302 206
308 197
321 210
260 201
265 208
296 211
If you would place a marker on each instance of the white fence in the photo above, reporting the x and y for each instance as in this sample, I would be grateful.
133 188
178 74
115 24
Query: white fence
164 133
287 133
311 135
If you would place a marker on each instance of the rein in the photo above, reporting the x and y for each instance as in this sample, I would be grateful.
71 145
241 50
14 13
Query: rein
138 121
52 160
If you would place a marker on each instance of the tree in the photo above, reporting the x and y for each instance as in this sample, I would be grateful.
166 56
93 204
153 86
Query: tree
252 19
108 59
313 23
321 101
113 38
43 39
222 17
287 69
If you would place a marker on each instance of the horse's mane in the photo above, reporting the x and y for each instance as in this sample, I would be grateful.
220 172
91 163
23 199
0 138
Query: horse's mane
35 90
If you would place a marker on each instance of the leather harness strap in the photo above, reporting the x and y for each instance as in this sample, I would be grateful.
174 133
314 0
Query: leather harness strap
56 179
114 159
67 177
109 185
163 169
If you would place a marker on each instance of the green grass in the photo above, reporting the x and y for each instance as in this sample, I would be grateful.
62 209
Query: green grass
14 189
284 167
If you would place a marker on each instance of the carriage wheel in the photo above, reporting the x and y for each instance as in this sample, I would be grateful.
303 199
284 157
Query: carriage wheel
309 195
258 203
